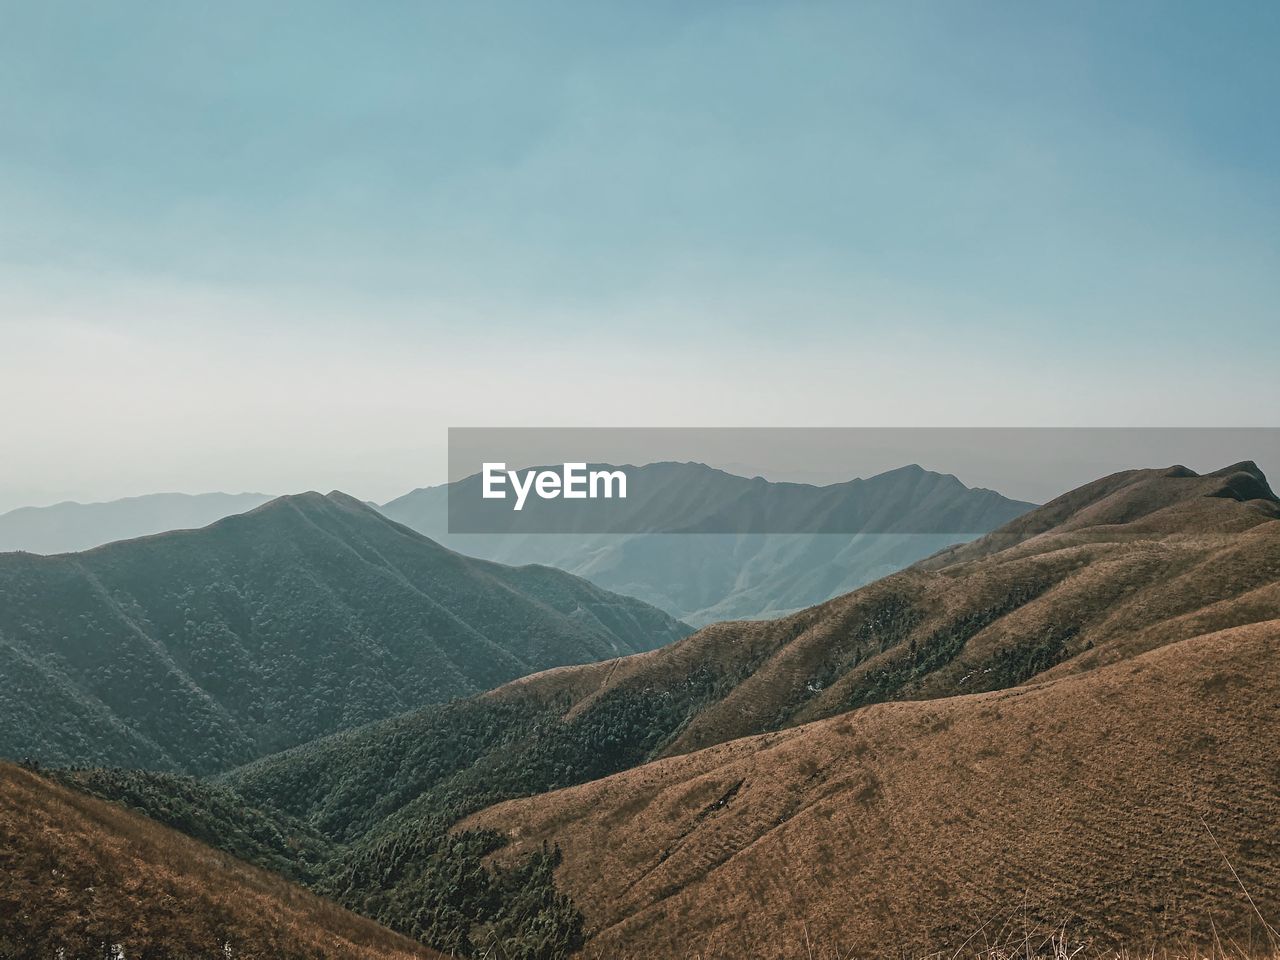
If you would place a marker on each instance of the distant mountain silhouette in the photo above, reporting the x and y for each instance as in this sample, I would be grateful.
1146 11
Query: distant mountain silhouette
197 650
69 527
905 515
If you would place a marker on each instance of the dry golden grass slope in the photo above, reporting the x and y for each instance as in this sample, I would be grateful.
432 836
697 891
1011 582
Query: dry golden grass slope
78 875
1118 801
1105 572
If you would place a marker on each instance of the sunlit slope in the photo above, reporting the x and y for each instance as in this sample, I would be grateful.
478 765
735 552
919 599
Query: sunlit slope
1098 801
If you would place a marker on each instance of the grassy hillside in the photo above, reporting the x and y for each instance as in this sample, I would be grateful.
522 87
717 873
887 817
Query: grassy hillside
1131 805
79 876
197 650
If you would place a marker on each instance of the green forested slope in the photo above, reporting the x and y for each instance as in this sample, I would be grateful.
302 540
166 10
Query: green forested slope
198 650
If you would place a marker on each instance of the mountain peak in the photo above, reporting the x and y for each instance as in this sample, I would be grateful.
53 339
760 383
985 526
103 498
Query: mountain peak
1244 466
311 500
1243 481
1154 502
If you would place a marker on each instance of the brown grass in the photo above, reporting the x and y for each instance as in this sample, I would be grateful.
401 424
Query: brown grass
1054 943
1133 562
78 874
1136 804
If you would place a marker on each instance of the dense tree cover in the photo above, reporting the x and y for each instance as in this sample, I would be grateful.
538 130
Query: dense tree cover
409 872
368 813
435 886
216 815
392 792
195 651
920 658
885 624
1017 664
421 880
453 759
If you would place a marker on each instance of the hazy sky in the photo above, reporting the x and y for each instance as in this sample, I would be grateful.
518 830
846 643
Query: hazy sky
271 246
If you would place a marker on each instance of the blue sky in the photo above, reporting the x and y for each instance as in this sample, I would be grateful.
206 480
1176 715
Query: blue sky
282 246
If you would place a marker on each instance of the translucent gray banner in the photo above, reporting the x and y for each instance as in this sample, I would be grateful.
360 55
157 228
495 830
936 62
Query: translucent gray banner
856 480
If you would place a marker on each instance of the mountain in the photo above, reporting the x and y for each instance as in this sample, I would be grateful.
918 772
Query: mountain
197 650
69 527
80 877
1071 643
891 520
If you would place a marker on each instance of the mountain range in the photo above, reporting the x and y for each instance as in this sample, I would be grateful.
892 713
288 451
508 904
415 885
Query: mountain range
882 524
1097 673
1056 726
197 650
70 527
876 526
1052 738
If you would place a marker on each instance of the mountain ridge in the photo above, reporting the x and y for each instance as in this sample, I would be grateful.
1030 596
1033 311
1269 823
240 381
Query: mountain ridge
905 515
72 526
